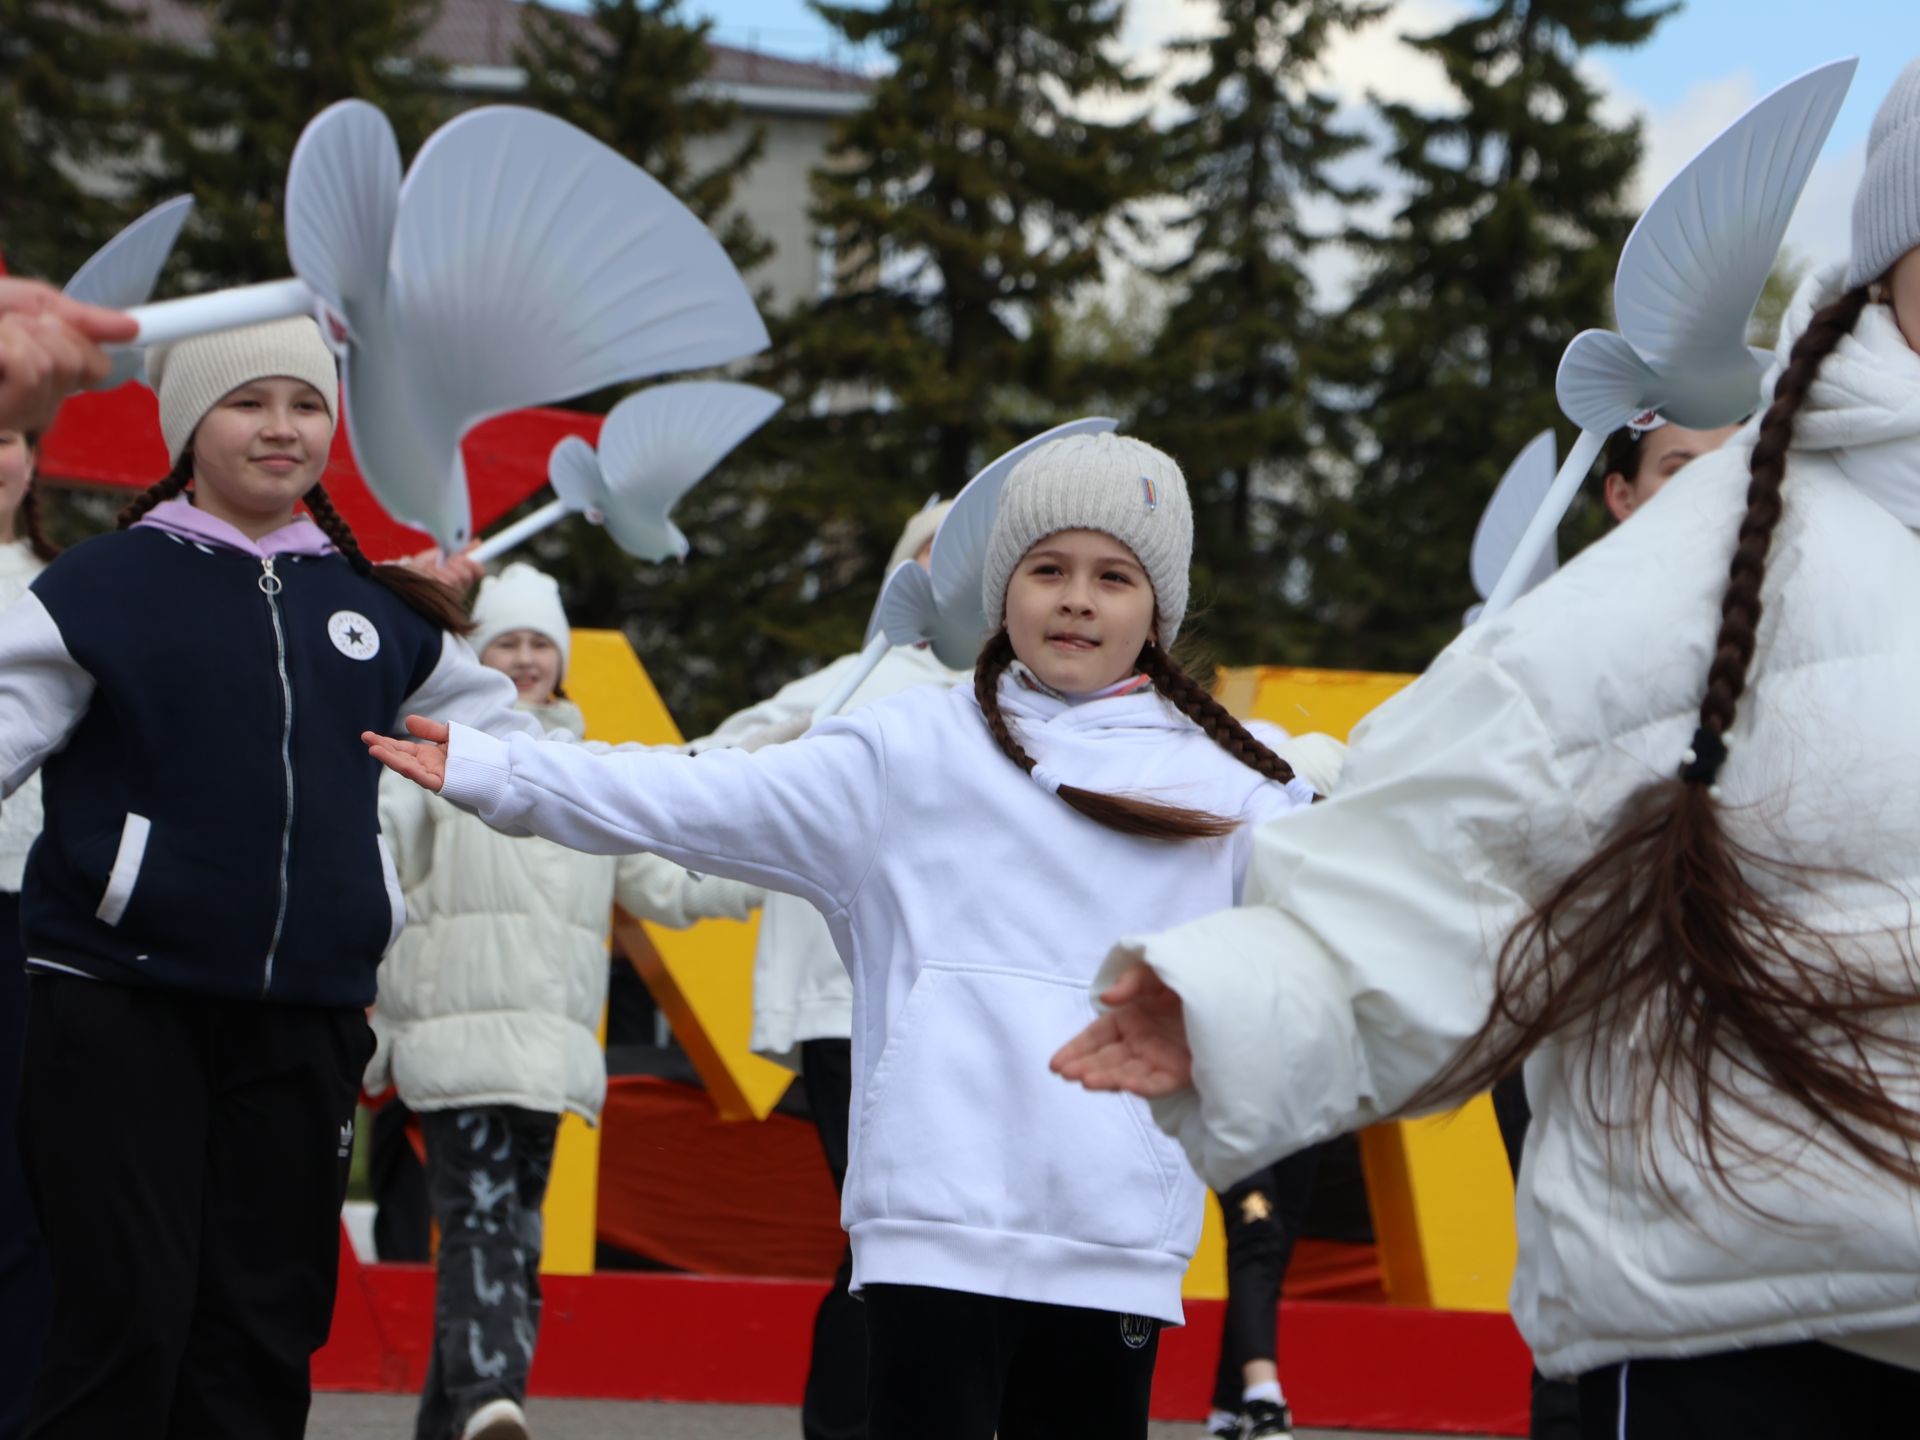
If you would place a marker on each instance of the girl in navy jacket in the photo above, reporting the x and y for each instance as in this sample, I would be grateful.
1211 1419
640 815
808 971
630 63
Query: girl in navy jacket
208 901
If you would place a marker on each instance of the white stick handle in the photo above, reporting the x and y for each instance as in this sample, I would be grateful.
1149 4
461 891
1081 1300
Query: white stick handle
501 541
870 659
1546 520
166 321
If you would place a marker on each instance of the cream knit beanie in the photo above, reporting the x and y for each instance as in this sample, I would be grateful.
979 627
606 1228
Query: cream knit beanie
192 376
919 530
1111 483
1886 207
520 598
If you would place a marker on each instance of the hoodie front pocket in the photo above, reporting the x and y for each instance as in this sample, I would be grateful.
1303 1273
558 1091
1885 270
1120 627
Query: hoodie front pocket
962 1123
126 869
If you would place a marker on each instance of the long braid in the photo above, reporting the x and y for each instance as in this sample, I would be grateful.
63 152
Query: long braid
174 483
33 523
1666 930
421 592
1197 703
1126 813
1741 607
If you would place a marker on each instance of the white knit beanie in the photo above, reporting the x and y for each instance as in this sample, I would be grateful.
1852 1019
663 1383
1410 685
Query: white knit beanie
919 531
1886 208
520 598
193 376
1111 483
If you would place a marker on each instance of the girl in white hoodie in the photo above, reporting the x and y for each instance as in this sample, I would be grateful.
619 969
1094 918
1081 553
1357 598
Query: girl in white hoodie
1018 1243
1681 780
487 1022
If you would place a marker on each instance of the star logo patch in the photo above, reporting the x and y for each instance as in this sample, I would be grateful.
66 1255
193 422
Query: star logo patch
353 635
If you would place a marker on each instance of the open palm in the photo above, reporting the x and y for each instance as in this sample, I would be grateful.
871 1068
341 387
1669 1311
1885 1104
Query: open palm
1139 1045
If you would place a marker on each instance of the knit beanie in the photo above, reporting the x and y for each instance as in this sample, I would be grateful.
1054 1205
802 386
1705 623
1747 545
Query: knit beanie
1886 208
520 598
918 532
192 377
1111 483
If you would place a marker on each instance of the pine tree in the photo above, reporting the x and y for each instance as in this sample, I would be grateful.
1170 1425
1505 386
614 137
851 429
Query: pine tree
1504 248
968 200
1229 383
630 74
225 118
64 131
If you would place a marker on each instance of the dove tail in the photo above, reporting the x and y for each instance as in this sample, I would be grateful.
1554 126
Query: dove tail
421 593
1666 936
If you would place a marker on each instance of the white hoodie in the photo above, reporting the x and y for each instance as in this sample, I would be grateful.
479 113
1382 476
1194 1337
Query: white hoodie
971 907
1364 958
801 991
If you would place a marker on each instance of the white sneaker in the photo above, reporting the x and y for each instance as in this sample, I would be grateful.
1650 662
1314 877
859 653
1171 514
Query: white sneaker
497 1420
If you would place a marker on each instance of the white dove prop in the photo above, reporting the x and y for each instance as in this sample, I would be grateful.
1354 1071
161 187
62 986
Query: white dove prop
123 272
1688 280
519 262
941 604
654 448
1515 501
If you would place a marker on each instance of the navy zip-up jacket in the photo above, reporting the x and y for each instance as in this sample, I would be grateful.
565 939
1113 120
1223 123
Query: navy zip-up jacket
194 703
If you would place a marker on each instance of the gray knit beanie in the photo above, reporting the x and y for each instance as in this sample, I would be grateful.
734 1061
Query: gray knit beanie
191 377
1886 208
1111 483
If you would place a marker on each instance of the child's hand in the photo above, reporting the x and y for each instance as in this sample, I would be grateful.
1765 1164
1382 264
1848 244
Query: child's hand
425 764
1139 1045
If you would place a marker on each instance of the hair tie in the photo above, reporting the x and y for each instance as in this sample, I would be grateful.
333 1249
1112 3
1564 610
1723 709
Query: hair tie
1045 778
1700 763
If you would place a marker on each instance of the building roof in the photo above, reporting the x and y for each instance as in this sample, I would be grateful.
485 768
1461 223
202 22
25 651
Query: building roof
476 39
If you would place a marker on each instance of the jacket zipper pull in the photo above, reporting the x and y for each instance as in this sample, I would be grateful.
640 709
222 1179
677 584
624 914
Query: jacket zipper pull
268 582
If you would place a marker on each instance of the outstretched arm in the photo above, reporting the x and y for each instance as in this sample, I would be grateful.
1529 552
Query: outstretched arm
805 818
1362 961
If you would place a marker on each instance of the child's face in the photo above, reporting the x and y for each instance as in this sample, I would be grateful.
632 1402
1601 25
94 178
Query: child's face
261 448
1663 453
530 660
1079 610
16 473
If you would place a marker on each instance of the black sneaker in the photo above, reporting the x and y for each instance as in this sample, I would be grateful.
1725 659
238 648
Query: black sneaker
1263 1420
1224 1429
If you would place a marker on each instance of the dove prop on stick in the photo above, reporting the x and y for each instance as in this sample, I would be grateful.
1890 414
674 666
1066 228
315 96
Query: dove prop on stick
123 272
519 262
1515 501
1689 277
941 604
654 448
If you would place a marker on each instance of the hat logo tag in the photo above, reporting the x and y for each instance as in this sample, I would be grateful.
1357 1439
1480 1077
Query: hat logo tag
1152 494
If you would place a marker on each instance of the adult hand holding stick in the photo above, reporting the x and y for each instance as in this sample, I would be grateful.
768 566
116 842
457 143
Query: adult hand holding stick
50 346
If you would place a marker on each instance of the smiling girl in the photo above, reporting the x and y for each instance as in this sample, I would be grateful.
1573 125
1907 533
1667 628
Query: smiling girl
206 907
1018 1243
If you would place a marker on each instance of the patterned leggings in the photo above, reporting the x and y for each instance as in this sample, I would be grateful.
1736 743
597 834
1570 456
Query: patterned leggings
487 1171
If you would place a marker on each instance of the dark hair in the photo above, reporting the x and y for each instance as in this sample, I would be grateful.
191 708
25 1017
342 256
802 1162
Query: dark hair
1666 931
422 593
31 520
1129 814
1624 452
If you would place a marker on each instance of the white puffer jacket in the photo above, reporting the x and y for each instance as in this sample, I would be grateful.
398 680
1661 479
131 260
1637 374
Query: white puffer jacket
20 817
493 993
1364 958
801 990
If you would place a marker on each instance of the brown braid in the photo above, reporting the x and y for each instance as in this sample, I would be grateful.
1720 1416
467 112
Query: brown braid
421 593
1125 813
1196 702
161 490
32 522
1665 934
